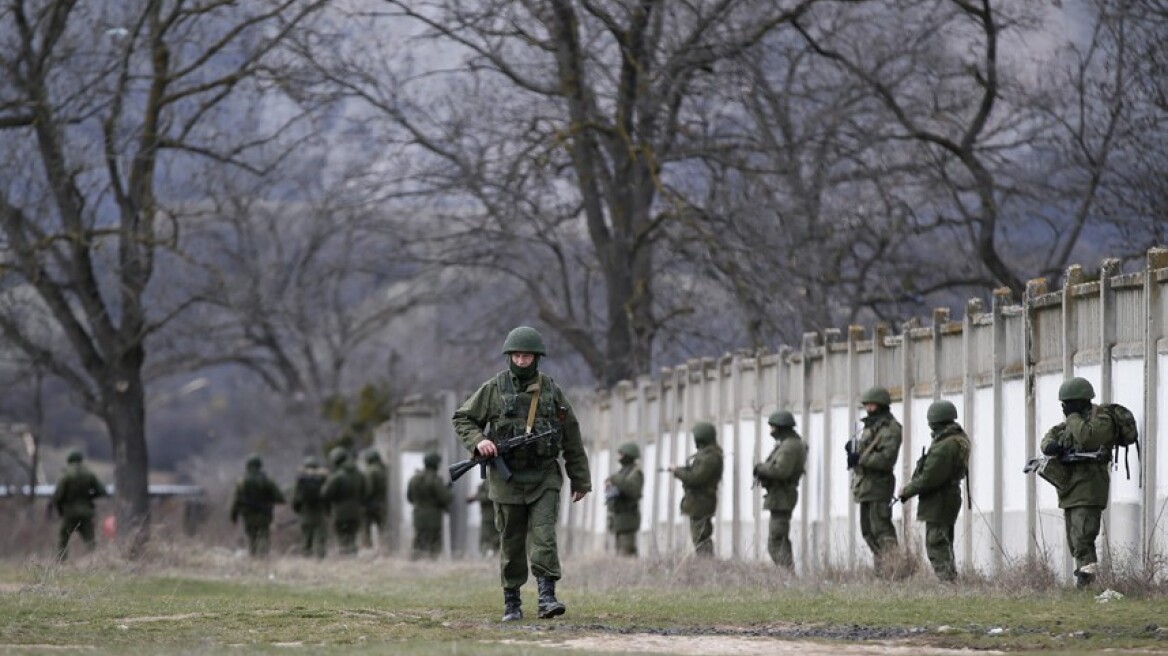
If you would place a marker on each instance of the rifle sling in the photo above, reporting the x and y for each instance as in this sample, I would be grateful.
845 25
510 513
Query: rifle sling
531 409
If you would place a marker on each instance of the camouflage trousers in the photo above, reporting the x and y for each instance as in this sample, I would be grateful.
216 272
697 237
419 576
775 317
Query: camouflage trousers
626 543
939 547
69 525
372 526
779 539
1082 527
314 537
346 531
701 532
527 531
877 529
259 539
427 542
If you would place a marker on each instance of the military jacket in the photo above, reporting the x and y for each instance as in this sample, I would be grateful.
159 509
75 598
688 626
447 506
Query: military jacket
345 492
255 495
77 488
625 509
430 496
503 405
937 476
780 473
879 445
1088 483
308 498
376 487
699 480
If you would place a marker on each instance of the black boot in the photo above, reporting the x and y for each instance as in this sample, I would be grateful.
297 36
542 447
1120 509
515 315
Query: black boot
512 609
548 606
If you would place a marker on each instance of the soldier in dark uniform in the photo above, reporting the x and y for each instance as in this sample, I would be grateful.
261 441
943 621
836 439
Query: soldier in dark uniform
521 400
1084 494
345 492
622 494
779 475
937 479
377 501
73 500
309 503
700 480
255 497
872 460
431 499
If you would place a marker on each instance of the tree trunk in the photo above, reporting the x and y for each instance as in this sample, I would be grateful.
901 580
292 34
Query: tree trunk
125 418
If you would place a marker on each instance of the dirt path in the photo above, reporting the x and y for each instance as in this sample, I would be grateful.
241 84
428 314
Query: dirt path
644 643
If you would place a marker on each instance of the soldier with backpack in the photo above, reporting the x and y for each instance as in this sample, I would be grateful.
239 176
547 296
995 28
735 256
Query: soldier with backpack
1081 444
309 504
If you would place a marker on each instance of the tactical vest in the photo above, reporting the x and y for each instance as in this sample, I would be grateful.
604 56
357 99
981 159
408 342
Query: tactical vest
549 414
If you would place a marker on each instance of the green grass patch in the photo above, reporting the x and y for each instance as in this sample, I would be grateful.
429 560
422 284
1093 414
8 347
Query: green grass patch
211 600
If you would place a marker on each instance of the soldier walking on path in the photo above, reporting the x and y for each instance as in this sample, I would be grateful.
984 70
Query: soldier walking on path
699 480
872 460
937 480
1084 493
488 532
311 507
255 497
345 492
521 401
431 499
622 494
73 500
779 475
376 501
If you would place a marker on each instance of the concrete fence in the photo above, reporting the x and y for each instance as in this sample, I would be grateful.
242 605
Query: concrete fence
1001 366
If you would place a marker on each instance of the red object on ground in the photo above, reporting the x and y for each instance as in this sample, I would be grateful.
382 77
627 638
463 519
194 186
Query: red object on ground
109 527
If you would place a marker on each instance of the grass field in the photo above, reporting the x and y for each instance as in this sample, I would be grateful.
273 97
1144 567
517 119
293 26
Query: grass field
215 601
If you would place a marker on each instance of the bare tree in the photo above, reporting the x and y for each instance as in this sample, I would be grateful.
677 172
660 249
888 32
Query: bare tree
106 108
597 111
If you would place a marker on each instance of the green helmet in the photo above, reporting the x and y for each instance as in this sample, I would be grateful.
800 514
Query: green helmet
782 419
372 456
704 433
310 462
254 461
524 339
431 460
629 450
74 456
1076 389
877 395
941 411
338 456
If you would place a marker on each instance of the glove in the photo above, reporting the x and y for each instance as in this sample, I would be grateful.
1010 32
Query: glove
853 459
848 446
756 469
1052 449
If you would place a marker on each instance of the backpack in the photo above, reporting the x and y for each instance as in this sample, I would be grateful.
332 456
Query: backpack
311 489
1126 433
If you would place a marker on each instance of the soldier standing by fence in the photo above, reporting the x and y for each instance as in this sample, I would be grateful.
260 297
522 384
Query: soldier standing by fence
780 474
700 479
872 460
255 497
310 505
73 500
431 499
623 496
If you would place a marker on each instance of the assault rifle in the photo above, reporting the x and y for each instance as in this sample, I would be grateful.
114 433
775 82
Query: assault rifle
1068 458
503 446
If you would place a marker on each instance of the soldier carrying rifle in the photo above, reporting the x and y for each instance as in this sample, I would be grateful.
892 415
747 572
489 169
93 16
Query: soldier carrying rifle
522 401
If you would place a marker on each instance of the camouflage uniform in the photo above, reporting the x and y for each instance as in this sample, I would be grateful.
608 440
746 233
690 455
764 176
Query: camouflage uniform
873 480
255 495
623 496
309 503
1084 494
345 492
431 498
700 479
779 475
527 507
377 501
488 532
937 480
73 500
